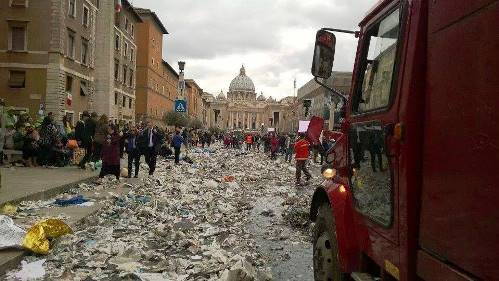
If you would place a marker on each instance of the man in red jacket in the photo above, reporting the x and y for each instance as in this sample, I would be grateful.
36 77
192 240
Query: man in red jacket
301 156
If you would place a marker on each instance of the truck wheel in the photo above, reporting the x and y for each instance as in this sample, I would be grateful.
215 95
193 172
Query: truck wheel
325 247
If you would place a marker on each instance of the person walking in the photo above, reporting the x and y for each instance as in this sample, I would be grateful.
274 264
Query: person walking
101 131
110 154
288 144
152 141
133 151
301 156
274 146
84 132
177 141
249 142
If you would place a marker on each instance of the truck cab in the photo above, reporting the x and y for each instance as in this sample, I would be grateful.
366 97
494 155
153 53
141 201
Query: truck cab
411 183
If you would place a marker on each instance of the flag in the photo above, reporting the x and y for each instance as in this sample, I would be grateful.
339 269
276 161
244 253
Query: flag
118 6
295 83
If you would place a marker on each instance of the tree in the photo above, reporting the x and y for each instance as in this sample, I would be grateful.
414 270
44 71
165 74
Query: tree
177 119
195 123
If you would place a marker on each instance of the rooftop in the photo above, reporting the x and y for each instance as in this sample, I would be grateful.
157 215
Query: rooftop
143 12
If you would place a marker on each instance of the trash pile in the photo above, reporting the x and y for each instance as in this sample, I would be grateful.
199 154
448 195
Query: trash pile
185 223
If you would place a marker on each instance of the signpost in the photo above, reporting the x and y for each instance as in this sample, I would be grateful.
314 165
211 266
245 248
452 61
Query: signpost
180 106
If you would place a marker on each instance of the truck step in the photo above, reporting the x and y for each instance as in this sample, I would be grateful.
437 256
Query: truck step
359 276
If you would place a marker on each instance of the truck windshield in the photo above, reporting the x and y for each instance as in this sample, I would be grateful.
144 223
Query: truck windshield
378 65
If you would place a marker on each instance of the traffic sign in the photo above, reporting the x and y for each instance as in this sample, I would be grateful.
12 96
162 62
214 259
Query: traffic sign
180 106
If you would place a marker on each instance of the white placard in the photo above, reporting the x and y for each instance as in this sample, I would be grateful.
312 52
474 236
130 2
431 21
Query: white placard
303 126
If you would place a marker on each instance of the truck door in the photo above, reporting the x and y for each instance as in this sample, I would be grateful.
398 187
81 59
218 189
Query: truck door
373 115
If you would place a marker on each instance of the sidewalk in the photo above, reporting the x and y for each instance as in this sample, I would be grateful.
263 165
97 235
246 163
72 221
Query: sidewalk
19 183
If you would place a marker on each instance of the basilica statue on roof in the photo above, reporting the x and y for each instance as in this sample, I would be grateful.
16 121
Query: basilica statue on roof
242 109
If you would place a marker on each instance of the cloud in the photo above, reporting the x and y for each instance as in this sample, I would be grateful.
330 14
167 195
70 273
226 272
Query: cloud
273 38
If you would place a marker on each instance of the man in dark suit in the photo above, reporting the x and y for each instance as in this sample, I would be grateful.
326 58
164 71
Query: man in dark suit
151 143
84 133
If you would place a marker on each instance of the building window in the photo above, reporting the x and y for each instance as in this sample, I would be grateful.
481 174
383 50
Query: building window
132 30
116 70
117 42
72 8
18 38
123 102
124 74
83 88
71 44
130 81
86 16
69 84
115 98
19 3
125 49
132 54
127 24
17 79
84 51
129 103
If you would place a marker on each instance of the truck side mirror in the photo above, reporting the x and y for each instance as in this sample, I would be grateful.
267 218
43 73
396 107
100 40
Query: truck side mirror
322 65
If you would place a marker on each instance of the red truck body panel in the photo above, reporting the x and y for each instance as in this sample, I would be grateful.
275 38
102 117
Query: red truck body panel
445 224
459 218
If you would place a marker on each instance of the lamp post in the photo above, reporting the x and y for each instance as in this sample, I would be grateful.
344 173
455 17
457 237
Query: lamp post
181 81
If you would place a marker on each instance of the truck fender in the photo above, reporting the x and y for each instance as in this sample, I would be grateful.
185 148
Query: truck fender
338 199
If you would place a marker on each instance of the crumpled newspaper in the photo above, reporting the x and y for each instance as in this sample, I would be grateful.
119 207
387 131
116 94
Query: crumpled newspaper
35 239
11 235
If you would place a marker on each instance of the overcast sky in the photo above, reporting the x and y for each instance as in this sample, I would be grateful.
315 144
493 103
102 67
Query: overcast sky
272 38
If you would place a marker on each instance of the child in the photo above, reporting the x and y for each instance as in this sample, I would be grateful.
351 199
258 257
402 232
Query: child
110 154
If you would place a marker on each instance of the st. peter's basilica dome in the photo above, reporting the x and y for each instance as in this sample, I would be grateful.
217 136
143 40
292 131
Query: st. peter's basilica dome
242 83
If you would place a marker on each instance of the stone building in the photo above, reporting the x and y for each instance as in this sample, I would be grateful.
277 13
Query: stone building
116 70
155 78
47 55
242 109
194 97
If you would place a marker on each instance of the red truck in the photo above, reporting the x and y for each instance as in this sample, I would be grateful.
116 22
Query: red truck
413 178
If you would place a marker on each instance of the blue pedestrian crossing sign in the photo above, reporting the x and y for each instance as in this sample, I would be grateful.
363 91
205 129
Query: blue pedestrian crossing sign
180 106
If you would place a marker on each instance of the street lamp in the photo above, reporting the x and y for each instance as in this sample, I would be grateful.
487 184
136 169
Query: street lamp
181 82
181 65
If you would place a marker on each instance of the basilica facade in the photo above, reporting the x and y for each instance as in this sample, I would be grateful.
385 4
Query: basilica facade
242 109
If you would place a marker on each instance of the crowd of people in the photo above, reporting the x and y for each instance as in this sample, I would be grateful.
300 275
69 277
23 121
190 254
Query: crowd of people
275 144
97 142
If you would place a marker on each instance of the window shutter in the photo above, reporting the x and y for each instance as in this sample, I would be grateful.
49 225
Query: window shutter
19 3
18 38
17 79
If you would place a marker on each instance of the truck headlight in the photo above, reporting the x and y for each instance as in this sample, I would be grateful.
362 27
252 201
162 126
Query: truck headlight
328 172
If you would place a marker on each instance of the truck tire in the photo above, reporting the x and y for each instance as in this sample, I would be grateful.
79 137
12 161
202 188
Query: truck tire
325 247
